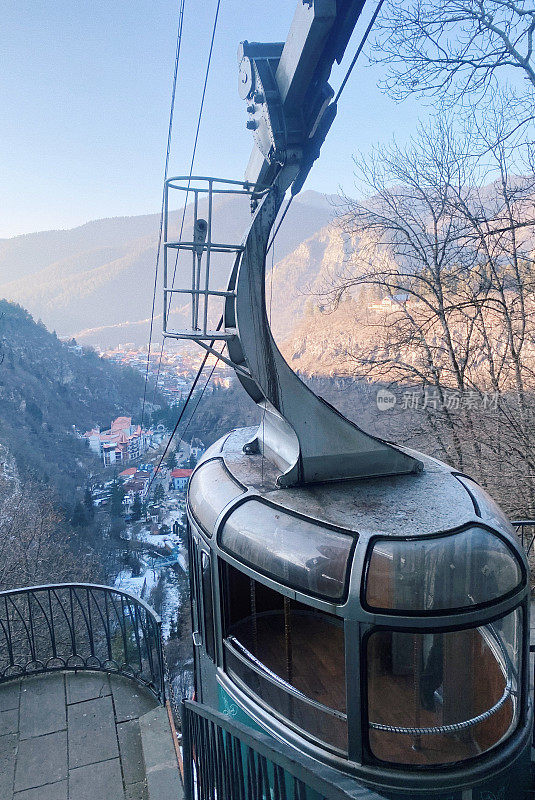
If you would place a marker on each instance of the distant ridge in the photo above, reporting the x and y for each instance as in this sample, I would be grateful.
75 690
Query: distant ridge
94 282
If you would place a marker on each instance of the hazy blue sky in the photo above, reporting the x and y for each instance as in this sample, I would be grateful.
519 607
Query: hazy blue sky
84 103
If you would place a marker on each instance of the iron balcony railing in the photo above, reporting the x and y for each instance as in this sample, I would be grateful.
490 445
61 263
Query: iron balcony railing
525 530
77 626
225 759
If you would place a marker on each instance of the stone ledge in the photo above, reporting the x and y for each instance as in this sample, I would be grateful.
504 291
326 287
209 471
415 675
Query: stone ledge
161 766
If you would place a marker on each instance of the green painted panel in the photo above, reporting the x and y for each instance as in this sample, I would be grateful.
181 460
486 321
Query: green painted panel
231 709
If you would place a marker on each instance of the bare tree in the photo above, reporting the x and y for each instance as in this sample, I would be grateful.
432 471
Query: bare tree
451 257
34 541
455 48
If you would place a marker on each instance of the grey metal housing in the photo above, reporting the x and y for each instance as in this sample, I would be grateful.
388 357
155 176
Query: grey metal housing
437 500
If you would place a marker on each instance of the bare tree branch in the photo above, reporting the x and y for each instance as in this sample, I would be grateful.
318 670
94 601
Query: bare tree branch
455 48
451 261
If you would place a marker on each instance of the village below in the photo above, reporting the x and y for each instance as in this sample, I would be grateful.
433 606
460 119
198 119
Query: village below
139 502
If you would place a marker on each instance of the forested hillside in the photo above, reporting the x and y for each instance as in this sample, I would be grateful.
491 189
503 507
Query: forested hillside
46 389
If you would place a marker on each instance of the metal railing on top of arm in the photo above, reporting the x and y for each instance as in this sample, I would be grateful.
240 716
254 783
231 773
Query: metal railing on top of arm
77 626
225 759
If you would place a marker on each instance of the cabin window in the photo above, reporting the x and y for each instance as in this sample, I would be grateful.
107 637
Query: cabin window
292 550
436 698
208 606
203 606
290 655
445 572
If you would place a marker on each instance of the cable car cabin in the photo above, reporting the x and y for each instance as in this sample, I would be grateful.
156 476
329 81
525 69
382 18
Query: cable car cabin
379 625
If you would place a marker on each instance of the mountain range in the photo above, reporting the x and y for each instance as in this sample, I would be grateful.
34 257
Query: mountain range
94 282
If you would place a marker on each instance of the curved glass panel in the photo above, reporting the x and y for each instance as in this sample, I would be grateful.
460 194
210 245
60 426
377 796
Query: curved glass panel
291 656
436 698
446 572
489 509
294 551
210 489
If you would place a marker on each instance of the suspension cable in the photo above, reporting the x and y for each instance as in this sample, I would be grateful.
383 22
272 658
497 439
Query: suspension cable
208 379
166 169
336 99
359 50
199 120
272 240
184 407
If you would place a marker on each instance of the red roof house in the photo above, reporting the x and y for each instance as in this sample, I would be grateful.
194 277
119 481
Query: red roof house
180 478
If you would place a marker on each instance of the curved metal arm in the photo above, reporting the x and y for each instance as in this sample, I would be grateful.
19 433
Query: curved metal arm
306 438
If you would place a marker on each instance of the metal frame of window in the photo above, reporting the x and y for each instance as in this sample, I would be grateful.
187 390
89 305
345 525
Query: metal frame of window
368 756
441 612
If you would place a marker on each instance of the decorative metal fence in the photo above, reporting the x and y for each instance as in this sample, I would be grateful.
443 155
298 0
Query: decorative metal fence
225 759
525 529
77 626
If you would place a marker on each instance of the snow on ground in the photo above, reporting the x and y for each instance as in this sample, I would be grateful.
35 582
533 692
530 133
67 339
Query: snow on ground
173 601
182 561
143 534
171 516
141 585
159 540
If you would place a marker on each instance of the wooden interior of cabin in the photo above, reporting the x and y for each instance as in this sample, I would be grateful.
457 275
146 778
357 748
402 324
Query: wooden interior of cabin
299 645
413 680
431 680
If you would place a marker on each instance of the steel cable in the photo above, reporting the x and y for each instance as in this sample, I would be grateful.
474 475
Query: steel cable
166 168
199 120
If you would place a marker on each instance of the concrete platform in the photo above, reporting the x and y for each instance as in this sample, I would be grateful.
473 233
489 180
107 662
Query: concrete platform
73 736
